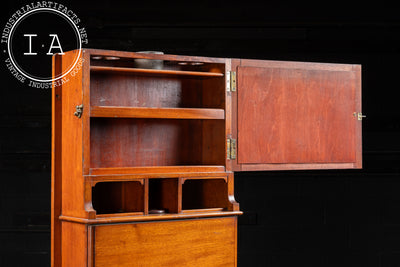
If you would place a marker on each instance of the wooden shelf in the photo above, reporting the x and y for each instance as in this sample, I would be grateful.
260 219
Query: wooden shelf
155 71
159 113
139 177
151 217
203 210
107 215
154 171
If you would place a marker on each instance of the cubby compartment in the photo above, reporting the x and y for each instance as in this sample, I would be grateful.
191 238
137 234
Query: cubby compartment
156 91
113 63
163 196
204 194
156 142
118 197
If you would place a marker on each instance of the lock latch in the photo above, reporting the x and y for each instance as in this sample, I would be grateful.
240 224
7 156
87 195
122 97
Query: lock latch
359 116
79 111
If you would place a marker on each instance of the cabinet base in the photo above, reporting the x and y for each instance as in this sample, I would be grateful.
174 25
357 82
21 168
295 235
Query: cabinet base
191 242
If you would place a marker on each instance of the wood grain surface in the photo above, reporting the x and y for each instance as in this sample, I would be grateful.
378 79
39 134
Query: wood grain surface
207 242
159 113
56 200
155 71
119 89
296 115
154 142
74 245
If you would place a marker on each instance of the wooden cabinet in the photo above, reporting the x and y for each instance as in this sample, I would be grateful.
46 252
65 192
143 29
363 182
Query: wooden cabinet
145 146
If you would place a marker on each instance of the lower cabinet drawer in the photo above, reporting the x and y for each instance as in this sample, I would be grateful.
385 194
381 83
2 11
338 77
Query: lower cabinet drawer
197 242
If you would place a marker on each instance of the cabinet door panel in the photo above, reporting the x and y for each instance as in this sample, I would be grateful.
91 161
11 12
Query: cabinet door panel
205 242
298 116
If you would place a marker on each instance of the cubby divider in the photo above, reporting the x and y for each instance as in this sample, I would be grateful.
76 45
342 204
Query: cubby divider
149 196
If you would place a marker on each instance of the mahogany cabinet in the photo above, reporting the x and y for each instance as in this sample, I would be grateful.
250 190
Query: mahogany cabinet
144 147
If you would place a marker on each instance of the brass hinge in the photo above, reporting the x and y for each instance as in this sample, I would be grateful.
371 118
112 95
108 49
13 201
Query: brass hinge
359 116
231 81
230 148
79 110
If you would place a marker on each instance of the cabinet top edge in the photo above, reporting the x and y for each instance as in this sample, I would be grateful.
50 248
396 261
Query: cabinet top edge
128 54
205 59
298 64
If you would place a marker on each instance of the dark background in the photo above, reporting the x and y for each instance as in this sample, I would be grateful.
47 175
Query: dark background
296 218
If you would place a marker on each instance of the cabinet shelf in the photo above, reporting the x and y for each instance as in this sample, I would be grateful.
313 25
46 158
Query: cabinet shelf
108 215
151 217
153 171
155 71
203 210
159 113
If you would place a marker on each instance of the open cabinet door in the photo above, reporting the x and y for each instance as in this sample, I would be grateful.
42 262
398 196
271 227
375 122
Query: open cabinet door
293 115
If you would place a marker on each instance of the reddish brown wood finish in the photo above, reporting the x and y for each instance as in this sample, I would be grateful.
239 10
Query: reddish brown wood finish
85 87
176 171
155 142
157 113
163 195
177 58
156 139
202 213
72 146
156 92
301 116
229 113
204 194
207 242
56 137
74 244
118 197
154 72
234 206
115 170
232 165
295 114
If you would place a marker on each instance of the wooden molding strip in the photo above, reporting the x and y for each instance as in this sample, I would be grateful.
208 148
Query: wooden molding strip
141 218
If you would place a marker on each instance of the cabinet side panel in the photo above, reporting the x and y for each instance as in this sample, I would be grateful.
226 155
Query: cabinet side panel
296 116
56 167
74 244
206 242
72 181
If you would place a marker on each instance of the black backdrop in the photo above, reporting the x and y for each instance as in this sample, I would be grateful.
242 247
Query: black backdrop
302 218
